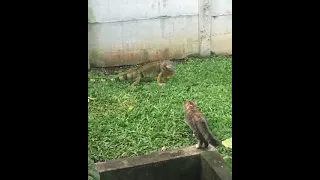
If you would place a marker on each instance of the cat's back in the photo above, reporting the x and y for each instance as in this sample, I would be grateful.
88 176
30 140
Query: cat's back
195 115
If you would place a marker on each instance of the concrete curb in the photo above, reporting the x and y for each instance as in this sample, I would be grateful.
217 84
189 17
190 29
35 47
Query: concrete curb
187 163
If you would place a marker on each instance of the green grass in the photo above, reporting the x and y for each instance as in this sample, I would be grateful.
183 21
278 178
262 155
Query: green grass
127 122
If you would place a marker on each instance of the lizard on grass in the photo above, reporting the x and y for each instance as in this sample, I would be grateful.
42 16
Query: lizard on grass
163 70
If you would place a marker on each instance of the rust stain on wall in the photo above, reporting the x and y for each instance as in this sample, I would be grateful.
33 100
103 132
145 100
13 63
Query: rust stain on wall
105 58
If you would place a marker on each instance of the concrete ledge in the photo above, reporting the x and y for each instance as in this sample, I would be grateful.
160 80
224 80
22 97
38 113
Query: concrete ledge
186 164
214 167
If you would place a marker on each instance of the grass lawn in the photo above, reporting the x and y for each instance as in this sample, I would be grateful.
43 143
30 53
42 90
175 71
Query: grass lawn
126 122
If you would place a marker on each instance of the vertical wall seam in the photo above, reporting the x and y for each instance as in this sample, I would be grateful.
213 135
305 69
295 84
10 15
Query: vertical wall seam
205 27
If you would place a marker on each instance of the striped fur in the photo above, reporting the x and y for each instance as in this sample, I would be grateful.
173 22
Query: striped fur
198 123
160 69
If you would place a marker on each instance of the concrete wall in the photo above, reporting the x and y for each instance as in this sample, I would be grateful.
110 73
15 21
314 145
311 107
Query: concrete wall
129 32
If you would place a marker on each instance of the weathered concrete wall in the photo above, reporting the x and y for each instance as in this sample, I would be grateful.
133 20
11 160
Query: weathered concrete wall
221 26
103 11
221 34
133 42
130 32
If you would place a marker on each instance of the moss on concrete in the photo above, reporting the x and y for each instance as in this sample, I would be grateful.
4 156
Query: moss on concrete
91 17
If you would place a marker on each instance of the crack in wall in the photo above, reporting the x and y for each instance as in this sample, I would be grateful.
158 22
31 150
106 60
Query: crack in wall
157 17
139 19
220 15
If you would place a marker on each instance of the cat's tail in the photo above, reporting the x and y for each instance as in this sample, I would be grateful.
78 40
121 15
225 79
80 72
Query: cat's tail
207 135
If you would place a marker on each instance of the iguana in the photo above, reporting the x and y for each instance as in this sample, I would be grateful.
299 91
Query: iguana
162 69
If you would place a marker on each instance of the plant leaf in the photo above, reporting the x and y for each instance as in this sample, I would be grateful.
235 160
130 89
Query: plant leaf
130 108
227 143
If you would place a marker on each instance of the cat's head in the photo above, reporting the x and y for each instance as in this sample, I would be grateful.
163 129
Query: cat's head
191 103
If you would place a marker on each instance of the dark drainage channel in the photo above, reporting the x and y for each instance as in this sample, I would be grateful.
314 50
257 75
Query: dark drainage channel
183 164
